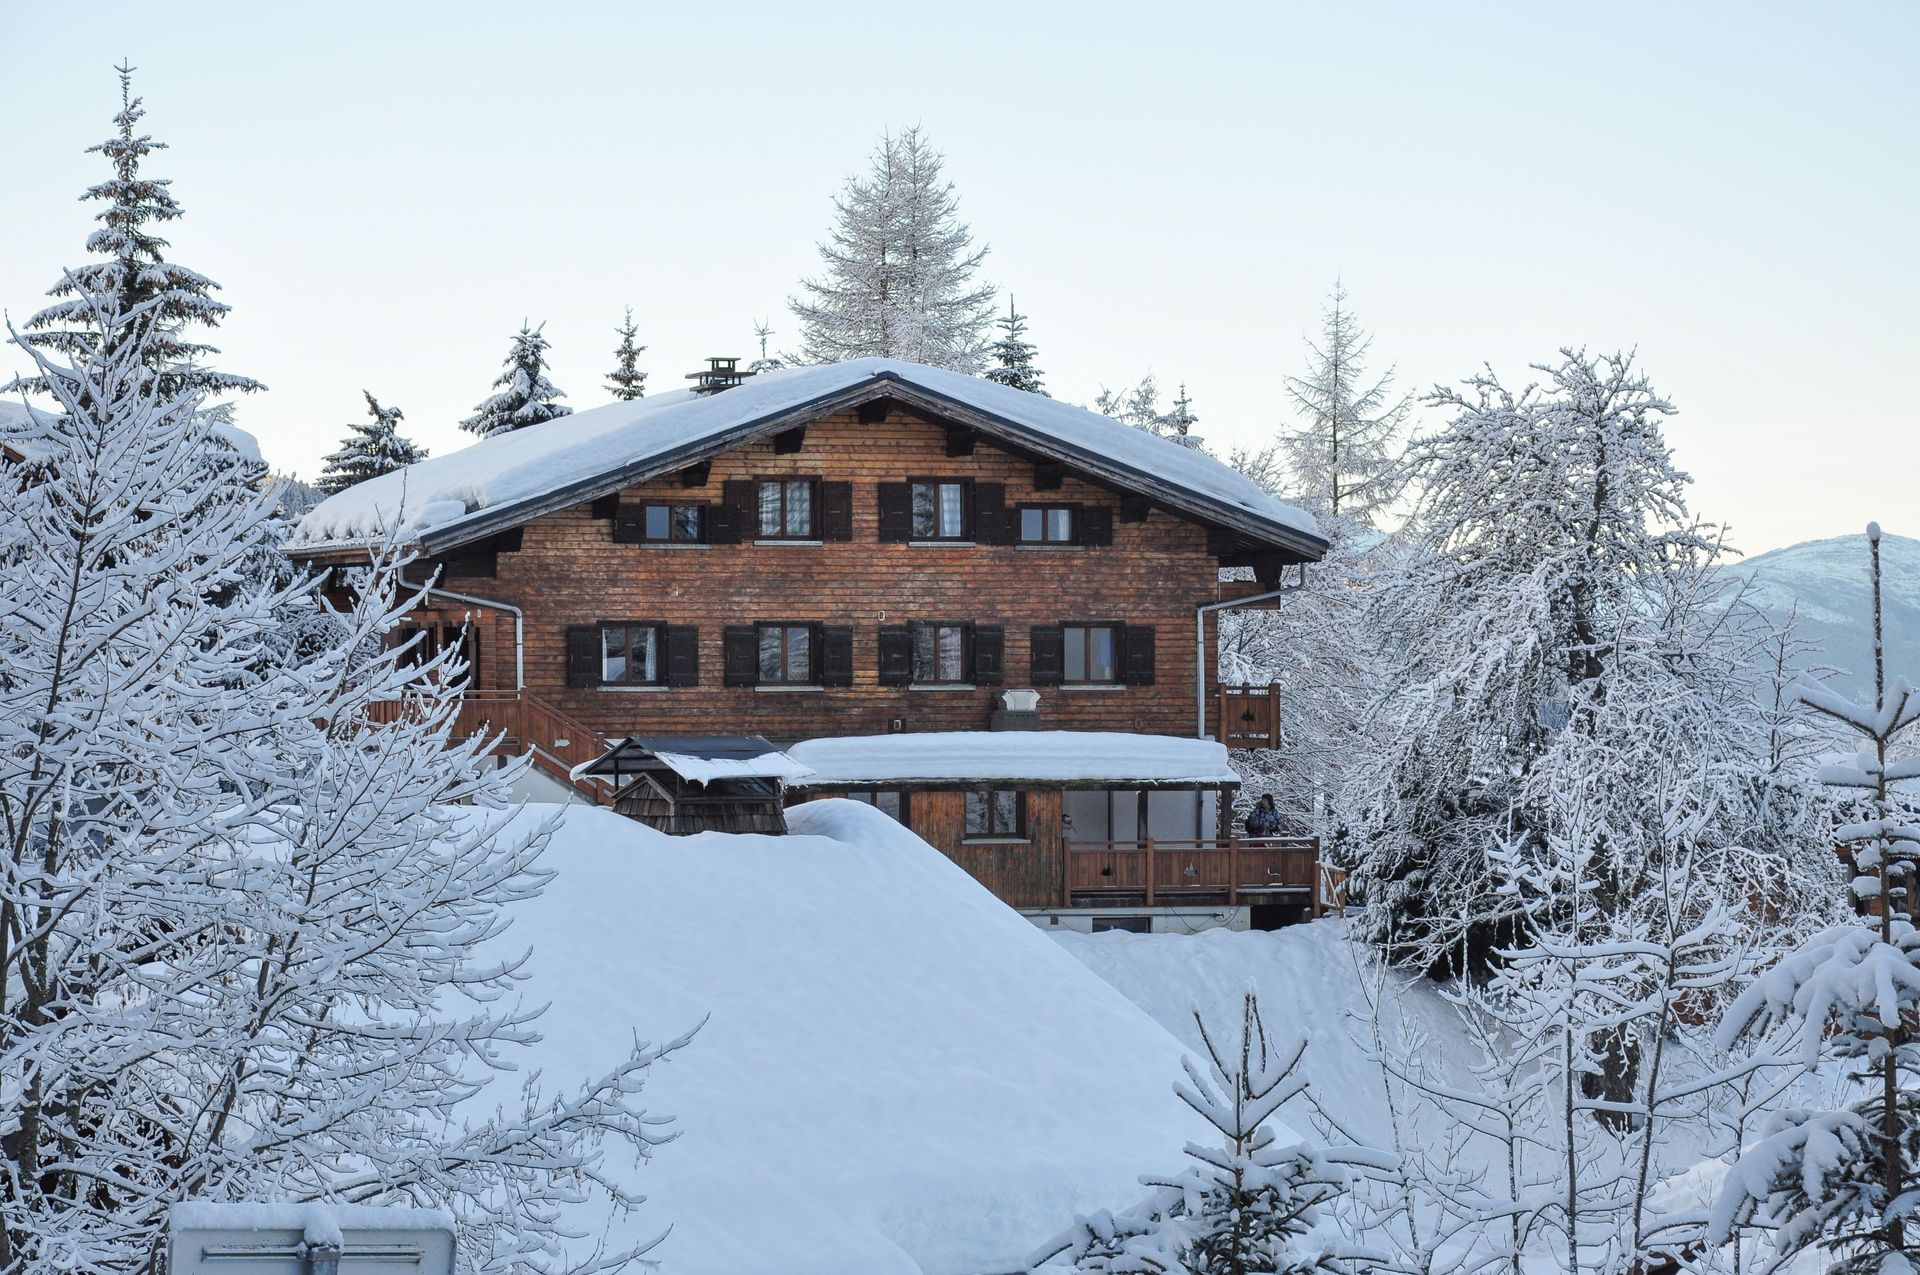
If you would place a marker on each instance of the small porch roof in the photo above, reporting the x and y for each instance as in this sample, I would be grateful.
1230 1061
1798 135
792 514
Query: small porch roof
700 759
1055 758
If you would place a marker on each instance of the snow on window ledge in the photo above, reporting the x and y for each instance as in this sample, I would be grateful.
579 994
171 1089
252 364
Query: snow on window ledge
941 686
777 542
996 841
940 544
637 686
1050 548
782 688
1093 686
671 544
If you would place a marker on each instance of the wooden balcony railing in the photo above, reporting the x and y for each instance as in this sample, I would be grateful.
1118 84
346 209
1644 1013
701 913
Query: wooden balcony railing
1239 869
526 723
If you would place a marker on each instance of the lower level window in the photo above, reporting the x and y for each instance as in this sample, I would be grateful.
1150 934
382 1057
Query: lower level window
889 801
940 653
997 812
629 653
1089 653
786 653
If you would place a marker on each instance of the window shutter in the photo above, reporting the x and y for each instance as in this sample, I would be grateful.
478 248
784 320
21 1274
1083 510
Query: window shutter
583 655
629 523
731 521
683 655
741 647
836 656
604 507
991 525
1095 525
836 511
1136 655
989 655
1047 655
896 656
896 513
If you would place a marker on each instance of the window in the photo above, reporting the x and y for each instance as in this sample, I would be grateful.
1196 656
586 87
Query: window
940 653
786 654
630 653
997 812
671 524
940 511
1046 524
1089 653
889 801
786 509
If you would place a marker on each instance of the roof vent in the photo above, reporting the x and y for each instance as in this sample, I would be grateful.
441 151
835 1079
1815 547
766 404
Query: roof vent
720 374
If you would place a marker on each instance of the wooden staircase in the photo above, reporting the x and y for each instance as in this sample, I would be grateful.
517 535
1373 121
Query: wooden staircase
528 724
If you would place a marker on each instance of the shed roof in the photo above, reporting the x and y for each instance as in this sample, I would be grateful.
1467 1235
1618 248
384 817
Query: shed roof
1062 757
700 759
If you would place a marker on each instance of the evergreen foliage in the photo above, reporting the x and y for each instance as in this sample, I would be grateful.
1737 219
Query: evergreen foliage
900 266
526 397
627 382
1341 455
766 362
1013 355
372 449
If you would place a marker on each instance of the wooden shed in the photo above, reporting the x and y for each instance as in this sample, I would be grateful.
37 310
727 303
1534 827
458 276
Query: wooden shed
683 784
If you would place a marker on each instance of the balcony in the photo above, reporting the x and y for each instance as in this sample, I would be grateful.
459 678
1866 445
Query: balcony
1231 871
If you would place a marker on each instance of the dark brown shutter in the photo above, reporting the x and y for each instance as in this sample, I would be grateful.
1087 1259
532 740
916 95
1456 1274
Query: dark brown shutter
629 523
836 656
991 525
605 506
1047 655
1136 655
732 520
836 511
741 648
1095 525
583 655
989 655
896 655
683 655
896 513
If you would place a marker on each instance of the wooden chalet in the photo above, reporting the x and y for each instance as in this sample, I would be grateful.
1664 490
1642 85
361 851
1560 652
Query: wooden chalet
866 548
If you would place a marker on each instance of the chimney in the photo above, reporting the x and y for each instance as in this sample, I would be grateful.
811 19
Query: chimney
1019 710
720 374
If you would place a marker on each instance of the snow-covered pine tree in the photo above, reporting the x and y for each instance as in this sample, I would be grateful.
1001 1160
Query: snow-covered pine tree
1341 454
373 449
767 362
134 276
526 397
1013 355
202 999
1245 1206
900 265
1179 421
627 382
1847 1180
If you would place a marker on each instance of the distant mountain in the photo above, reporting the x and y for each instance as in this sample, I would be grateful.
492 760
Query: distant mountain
1828 581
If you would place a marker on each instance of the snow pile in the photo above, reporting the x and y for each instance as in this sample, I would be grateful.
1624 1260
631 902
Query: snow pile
317 1223
1038 756
897 1074
652 435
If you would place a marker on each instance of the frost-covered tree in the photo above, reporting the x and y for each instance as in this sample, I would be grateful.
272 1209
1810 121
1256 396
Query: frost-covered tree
372 449
250 907
1249 1204
134 275
899 268
1341 454
526 397
1013 355
1847 1180
766 362
627 382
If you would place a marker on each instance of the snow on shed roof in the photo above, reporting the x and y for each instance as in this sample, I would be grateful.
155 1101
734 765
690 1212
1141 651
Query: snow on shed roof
1037 756
699 759
505 480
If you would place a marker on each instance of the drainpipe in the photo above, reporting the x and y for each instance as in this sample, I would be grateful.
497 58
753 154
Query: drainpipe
1200 642
519 624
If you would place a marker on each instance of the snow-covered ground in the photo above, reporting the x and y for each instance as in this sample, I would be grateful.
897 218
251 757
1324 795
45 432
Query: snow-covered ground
897 1074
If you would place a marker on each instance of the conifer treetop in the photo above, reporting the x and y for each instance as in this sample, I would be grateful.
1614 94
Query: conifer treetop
526 397
1013 354
374 447
627 382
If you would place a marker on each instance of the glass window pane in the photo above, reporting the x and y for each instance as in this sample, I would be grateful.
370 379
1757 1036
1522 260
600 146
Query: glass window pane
1060 525
864 798
1172 816
800 509
889 803
659 520
769 509
950 509
770 654
1100 661
613 654
1006 813
1088 815
1033 524
799 654
646 655
686 522
1076 650
923 521
976 814
951 658
923 653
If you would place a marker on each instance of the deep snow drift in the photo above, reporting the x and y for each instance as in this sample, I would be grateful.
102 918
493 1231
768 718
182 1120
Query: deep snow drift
897 1073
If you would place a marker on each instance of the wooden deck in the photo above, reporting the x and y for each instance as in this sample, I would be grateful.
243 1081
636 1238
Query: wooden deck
1235 871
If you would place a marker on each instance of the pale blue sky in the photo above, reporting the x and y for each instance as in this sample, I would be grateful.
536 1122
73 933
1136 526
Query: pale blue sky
387 189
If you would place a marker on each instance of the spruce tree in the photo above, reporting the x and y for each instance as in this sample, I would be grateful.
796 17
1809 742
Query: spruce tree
627 382
134 275
1178 424
900 265
372 449
1341 453
526 397
1013 355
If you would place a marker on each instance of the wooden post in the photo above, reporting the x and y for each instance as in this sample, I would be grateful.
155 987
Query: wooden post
1233 872
1149 842
1066 873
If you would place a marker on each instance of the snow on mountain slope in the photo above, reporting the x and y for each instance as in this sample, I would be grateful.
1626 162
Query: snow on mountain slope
897 1073
1827 579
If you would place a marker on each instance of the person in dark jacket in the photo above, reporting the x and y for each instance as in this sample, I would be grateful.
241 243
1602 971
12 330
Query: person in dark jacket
1263 820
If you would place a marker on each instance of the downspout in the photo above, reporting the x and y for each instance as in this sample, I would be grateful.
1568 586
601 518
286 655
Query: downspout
519 624
1200 642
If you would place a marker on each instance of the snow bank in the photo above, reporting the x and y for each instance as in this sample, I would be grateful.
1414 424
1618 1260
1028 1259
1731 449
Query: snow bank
1040 756
559 454
897 1074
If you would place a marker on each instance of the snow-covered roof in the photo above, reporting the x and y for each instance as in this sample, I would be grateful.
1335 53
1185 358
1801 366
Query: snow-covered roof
1036 756
698 759
503 481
